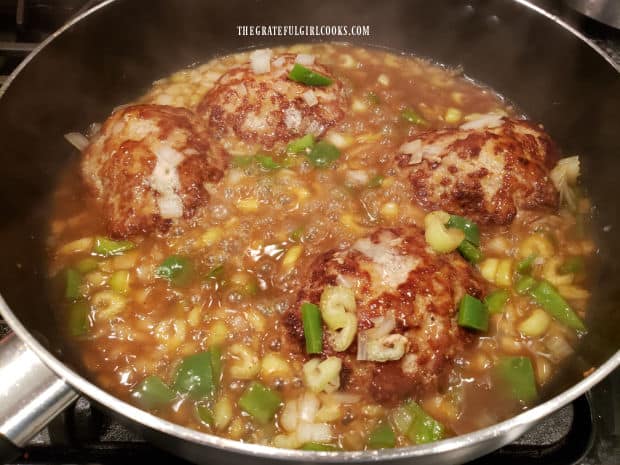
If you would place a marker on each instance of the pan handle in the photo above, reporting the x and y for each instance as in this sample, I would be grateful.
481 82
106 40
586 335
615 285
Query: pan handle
31 395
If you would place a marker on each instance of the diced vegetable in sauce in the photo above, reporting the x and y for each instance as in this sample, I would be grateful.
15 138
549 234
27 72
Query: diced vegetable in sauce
525 284
525 265
306 76
473 314
470 252
266 163
73 280
376 181
517 374
419 426
471 230
413 117
107 247
205 414
260 402
176 269
313 330
549 299
496 300
87 264
315 446
119 281
196 376
301 144
242 161
572 265
323 154
382 437
78 318
152 393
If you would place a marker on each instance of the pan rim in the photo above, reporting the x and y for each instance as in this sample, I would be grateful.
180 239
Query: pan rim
495 435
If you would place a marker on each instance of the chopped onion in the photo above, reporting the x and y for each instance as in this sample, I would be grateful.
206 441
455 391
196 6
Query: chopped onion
165 180
120 107
286 441
310 98
308 406
383 326
278 62
564 175
341 398
260 61
242 90
409 365
342 141
413 148
488 120
235 176
79 141
292 118
419 152
289 416
93 129
305 59
558 348
567 168
362 347
355 178
314 432
280 87
170 206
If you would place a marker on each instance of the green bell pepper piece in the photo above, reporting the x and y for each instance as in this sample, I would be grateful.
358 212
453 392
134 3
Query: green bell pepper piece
382 437
177 269
323 154
496 300
517 375
301 144
306 76
195 376
260 402
78 320
473 314
72 287
107 247
525 284
550 300
153 393
471 230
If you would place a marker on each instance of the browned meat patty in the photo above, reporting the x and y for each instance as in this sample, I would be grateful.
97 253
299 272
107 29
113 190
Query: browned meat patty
394 272
148 166
245 109
486 170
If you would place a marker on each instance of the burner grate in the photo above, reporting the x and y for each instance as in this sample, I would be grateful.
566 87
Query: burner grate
83 434
27 23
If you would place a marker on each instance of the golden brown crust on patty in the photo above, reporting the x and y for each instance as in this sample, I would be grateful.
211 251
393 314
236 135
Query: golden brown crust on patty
485 173
393 270
147 166
266 109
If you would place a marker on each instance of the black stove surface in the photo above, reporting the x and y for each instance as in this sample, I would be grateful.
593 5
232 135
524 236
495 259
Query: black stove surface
586 432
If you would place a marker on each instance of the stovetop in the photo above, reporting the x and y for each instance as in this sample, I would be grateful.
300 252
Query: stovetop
586 432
